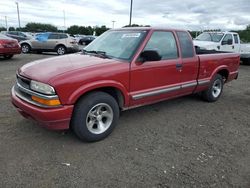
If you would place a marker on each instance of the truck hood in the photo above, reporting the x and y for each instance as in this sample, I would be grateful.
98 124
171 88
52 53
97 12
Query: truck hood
205 44
46 69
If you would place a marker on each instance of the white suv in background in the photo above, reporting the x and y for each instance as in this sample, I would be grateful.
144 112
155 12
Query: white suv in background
50 42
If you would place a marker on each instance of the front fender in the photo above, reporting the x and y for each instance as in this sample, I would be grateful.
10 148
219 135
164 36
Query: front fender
98 85
25 42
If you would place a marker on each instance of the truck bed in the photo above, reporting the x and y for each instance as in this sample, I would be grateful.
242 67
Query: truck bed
204 51
212 62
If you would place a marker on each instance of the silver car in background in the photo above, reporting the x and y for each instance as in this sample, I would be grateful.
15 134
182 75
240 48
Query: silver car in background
61 43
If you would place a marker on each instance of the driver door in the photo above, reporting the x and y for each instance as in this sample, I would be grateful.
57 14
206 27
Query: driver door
155 80
227 43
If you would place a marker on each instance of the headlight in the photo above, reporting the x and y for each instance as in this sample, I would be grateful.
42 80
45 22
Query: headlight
42 88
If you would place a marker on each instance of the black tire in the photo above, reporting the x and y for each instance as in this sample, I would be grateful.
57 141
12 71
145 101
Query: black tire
25 48
246 61
8 56
89 115
61 50
215 89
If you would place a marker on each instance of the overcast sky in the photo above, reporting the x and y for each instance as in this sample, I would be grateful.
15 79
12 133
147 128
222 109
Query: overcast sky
191 14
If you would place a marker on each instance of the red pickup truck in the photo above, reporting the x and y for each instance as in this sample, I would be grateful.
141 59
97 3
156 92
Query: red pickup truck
121 69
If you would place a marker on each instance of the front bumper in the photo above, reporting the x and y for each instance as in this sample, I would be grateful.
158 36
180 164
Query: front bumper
51 118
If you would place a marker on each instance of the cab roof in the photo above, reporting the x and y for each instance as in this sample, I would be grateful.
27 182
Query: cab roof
147 29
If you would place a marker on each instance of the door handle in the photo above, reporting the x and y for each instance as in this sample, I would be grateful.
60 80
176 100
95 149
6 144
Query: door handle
178 66
233 47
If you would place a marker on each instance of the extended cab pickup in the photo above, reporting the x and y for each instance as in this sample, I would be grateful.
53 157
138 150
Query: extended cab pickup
121 69
224 41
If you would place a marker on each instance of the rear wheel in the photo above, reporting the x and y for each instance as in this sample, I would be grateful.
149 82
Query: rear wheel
95 116
60 50
8 56
215 89
246 61
25 48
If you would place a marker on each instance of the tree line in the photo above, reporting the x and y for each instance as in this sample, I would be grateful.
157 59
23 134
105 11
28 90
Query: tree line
75 29
98 30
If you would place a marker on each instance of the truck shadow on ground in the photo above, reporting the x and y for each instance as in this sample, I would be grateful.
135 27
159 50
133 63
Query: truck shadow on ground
68 136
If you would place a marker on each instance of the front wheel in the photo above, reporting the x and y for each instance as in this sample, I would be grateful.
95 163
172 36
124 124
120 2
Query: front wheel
215 89
25 48
95 116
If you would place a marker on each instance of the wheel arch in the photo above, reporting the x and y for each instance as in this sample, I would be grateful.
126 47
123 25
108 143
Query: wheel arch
223 71
23 43
58 45
115 90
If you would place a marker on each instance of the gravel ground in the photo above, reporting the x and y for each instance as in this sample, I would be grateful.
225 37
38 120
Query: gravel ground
178 143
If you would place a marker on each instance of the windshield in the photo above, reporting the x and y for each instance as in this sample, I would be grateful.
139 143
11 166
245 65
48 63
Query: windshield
214 37
117 44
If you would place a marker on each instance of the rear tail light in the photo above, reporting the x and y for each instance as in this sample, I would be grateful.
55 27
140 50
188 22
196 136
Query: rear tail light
73 42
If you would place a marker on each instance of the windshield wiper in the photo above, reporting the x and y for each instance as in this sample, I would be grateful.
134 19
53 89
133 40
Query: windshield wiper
99 53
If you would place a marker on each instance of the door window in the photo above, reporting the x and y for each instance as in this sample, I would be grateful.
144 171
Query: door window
187 49
164 43
227 37
236 40
53 36
63 36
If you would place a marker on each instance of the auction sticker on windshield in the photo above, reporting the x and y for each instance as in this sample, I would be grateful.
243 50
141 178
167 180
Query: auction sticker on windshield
131 35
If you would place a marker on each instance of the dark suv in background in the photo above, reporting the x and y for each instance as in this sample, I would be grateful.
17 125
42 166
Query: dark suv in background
86 40
20 36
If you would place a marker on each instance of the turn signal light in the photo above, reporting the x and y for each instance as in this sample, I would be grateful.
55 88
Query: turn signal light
47 102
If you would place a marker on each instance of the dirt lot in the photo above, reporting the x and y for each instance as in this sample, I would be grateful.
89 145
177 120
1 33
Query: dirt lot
179 143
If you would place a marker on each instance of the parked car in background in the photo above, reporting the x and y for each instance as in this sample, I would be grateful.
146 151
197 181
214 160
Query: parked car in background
50 42
86 40
8 47
20 36
224 41
79 37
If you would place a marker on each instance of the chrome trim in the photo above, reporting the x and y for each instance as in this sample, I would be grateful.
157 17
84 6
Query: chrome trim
48 97
234 72
156 92
21 77
162 91
19 95
203 82
191 84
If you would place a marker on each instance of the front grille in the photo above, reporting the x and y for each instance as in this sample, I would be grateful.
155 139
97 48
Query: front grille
24 82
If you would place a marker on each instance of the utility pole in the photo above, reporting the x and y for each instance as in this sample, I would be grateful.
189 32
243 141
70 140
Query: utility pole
113 24
131 8
6 23
17 6
64 20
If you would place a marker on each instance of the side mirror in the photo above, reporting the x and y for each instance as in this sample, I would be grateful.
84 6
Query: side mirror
150 55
